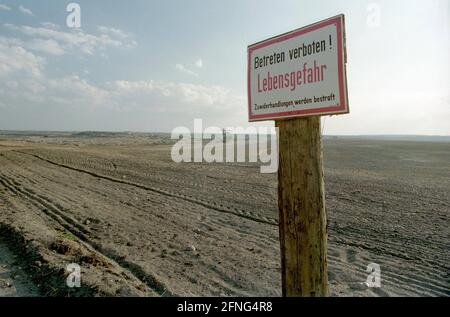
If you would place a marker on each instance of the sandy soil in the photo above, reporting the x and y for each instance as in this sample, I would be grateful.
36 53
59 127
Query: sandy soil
141 225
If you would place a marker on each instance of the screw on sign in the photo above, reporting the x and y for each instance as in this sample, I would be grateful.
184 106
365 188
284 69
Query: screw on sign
295 78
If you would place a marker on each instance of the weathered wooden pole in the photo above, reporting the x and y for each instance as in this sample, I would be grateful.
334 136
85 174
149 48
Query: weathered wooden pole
301 204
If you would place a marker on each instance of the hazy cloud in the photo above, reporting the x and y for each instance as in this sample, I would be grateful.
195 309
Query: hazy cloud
46 46
14 58
189 98
115 32
4 7
185 70
40 45
24 79
25 11
77 40
76 91
50 25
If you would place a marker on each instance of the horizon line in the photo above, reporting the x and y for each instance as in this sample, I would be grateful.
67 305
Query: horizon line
130 131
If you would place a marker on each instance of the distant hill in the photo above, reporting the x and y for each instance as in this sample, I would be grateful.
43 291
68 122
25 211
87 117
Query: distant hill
393 137
97 134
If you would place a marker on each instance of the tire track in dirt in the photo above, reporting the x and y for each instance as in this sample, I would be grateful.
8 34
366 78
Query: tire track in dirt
260 239
377 245
214 206
45 205
407 258
189 190
24 179
102 164
416 277
186 184
391 279
79 231
259 243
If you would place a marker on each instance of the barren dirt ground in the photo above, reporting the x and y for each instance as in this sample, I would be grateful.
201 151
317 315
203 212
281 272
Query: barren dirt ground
139 224
13 280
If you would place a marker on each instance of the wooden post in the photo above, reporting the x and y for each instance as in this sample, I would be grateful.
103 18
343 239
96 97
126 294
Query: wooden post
301 204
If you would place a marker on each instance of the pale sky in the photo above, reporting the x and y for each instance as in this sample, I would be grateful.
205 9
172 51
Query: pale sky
155 65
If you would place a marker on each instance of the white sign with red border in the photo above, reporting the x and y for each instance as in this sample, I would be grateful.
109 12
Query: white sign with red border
299 73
